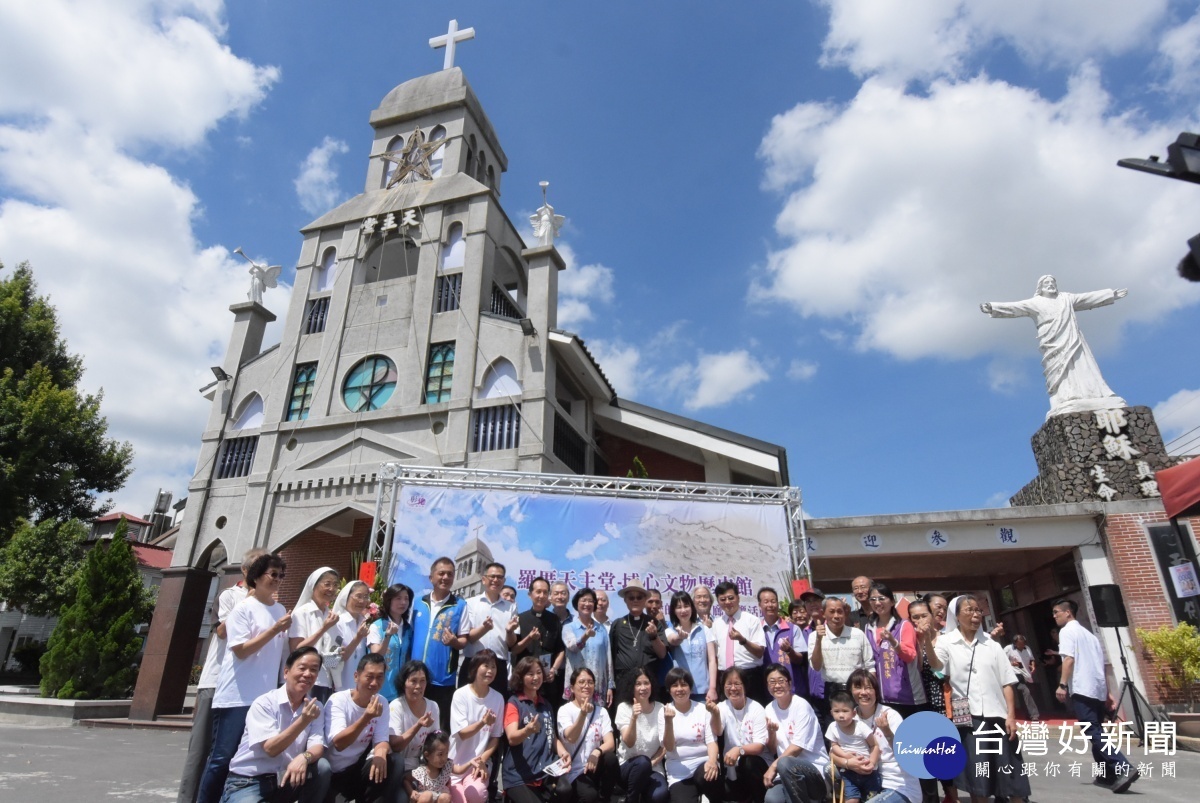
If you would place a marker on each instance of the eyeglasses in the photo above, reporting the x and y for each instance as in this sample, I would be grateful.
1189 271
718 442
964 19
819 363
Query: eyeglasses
877 599
360 597
493 577
635 597
276 575
777 681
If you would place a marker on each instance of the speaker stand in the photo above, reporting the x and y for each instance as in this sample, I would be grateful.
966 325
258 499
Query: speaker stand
1136 698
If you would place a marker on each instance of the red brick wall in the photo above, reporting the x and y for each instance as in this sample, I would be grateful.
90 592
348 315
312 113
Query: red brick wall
660 465
1136 571
314 549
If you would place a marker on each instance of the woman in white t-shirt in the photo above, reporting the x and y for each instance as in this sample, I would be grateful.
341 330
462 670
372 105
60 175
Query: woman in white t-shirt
693 763
350 634
312 619
412 717
743 722
586 732
794 744
639 740
256 635
476 724
898 785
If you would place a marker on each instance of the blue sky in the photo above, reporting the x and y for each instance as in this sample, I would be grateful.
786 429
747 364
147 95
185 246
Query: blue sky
780 220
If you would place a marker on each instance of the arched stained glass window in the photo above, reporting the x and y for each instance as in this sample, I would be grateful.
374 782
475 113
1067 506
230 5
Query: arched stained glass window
436 160
369 384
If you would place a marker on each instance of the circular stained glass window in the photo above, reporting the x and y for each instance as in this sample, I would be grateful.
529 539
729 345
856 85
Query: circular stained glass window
369 384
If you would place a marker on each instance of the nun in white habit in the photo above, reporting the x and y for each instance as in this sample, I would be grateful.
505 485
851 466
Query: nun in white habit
350 634
313 622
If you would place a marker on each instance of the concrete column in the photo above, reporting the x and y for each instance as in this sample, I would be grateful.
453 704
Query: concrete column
171 644
250 321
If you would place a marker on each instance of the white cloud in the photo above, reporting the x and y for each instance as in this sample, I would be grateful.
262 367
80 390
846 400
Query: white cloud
142 71
802 370
902 40
1005 375
978 188
1180 46
580 287
998 499
621 363
1177 417
718 379
582 548
109 235
317 184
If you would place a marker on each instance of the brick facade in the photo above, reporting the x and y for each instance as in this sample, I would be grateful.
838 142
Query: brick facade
660 465
1136 571
314 549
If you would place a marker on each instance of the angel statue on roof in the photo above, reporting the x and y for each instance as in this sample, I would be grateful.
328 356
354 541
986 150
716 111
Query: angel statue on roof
545 223
261 277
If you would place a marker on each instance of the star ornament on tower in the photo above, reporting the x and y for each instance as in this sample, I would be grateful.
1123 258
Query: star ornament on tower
412 163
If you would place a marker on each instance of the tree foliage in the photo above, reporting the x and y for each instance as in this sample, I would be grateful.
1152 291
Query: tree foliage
93 650
38 566
55 453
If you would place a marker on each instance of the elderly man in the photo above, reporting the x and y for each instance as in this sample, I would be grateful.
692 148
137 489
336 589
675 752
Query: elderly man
601 614
1021 658
858 615
836 649
279 759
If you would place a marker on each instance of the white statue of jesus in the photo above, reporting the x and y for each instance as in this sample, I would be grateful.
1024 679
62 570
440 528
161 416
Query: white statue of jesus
1072 376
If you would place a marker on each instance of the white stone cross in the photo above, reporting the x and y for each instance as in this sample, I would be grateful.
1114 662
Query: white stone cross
450 41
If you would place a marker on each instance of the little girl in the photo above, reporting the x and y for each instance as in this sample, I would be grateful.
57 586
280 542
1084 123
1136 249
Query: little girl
430 782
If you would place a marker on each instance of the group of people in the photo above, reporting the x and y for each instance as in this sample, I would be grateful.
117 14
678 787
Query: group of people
450 700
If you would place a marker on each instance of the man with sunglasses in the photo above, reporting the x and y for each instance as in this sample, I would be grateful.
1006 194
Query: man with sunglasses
634 638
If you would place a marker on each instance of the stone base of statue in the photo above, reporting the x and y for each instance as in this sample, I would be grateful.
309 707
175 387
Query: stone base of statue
1101 455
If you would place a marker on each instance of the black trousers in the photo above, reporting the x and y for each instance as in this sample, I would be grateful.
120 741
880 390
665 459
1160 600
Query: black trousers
443 696
354 782
592 787
536 794
748 781
689 790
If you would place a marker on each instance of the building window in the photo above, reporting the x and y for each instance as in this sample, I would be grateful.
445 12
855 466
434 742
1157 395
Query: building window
369 384
438 157
327 272
389 167
447 292
237 457
315 315
496 428
440 373
250 414
454 253
303 386
569 445
500 381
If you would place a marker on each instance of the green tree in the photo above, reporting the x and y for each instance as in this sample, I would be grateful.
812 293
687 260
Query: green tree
93 649
38 566
55 453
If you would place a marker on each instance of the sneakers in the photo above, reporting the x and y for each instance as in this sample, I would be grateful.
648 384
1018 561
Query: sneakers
1125 781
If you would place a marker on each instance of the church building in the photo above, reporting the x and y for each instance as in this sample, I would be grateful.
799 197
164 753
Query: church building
421 330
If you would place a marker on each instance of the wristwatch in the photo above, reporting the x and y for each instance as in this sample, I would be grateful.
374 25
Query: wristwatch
308 757
741 752
1062 686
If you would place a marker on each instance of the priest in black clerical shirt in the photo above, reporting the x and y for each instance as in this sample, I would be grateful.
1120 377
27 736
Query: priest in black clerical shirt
635 637
539 634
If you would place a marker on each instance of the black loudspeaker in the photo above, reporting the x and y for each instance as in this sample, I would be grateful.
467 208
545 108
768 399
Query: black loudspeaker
1108 606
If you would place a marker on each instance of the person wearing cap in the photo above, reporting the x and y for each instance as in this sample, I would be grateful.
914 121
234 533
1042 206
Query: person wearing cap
814 602
634 638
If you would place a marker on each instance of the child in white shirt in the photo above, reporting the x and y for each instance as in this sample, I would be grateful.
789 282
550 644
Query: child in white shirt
853 748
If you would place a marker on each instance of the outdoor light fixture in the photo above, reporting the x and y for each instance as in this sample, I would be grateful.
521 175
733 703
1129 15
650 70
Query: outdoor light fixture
1183 163
220 374
527 327
1183 160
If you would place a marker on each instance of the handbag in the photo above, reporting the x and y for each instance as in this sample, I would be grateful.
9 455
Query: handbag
960 707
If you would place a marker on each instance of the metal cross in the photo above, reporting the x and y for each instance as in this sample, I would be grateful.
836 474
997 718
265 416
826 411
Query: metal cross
452 37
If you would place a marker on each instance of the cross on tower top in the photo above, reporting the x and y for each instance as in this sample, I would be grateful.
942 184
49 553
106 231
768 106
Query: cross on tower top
450 40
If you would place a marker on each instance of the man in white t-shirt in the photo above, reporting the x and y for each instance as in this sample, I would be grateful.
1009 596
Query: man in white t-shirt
356 730
1083 680
1021 658
740 641
200 741
280 757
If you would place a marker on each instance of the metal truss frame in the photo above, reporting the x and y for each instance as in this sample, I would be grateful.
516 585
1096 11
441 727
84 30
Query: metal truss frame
393 476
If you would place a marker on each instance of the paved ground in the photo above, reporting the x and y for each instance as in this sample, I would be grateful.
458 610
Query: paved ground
82 764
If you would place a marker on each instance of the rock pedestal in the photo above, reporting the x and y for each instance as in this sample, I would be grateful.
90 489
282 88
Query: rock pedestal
1104 455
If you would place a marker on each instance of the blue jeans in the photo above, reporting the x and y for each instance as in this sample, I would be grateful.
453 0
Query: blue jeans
857 784
227 727
797 781
1093 711
266 789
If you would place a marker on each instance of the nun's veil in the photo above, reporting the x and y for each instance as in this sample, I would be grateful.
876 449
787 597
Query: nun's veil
952 615
306 600
339 606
